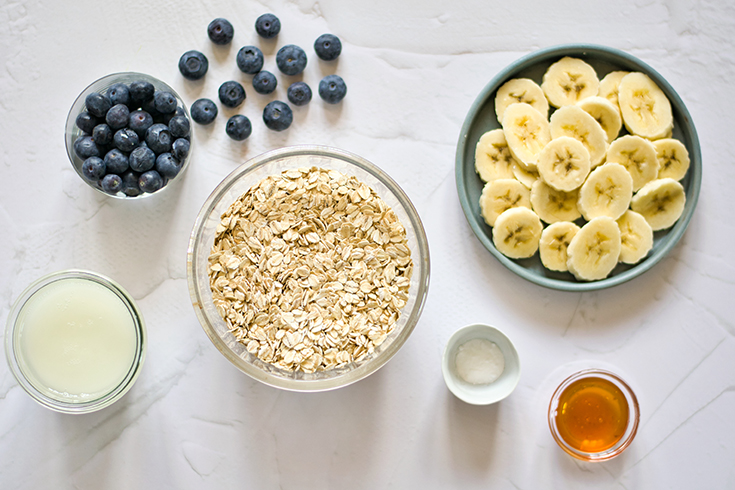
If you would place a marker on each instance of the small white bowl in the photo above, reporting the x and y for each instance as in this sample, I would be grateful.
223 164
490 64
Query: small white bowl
481 394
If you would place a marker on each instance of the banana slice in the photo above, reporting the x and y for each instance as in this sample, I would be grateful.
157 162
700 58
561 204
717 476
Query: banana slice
594 250
673 158
552 205
564 163
637 155
553 245
609 87
636 237
661 202
517 232
605 113
645 108
575 122
525 177
526 131
606 192
520 90
492 157
568 81
501 195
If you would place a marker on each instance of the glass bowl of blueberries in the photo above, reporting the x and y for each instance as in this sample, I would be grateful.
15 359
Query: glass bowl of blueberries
128 135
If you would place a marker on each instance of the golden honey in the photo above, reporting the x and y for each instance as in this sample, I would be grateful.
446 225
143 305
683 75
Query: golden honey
592 414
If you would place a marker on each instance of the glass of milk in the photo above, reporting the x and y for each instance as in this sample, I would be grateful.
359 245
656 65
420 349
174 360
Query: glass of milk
75 341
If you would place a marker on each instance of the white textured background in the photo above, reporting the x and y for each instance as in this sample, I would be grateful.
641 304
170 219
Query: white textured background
412 69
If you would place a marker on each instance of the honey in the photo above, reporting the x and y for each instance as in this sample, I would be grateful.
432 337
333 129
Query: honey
592 414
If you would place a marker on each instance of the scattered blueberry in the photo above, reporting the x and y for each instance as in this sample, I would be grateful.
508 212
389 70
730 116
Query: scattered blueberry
268 26
180 149
328 47
167 165
277 115
179 126
332 89
164 102
141 92
142 159
126 139
117 117
97 104
238 127
86 122
220 31
116 161
118 93
130 184
150 181
139 121
85 147
299 93
203 111
193 65
264 82
102 134
158 138
231 94
291 59
112 183
250 60
93 168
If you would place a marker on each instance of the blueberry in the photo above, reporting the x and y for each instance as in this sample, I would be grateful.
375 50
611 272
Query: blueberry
291 59
125 140
118 93
93 169
141 92
238 127
277 115
117 116
85 147
150 181
167 165
158 138
164 102
102 134
264 82
97 104
193 65
231 94
250 60
220 31
142 159
328 47
86 122
130 183
332 89
112 183
179 126
203 111
267 26
139 121
180 149
299 93
116 161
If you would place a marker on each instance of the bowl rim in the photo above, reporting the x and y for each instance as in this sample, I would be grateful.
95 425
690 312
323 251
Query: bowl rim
197 300
673 235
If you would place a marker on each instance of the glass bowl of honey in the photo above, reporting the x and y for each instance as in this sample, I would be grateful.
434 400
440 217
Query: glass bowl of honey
593 415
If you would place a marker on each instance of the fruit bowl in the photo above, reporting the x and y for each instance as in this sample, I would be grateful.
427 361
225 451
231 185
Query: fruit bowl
73 132
482 118
206 229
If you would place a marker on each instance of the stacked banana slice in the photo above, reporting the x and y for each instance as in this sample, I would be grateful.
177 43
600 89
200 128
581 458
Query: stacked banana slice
554 170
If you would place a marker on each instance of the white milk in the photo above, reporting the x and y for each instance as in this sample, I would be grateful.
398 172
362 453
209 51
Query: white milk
77 339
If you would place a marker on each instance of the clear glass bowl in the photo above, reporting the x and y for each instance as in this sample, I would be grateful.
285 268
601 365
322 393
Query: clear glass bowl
73 132
630 429
20 368
202 239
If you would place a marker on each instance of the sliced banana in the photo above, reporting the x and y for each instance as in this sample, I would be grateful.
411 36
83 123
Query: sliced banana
526 131
605 113
552 205
609 87
492 157
636 237
501 195
637 155
517 232
520 90
573 121
594 250
553 245
645 108
568 81
673 158
661 202
606 192
564 163
525 177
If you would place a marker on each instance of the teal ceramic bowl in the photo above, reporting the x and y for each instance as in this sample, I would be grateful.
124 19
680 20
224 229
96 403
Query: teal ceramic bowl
482 118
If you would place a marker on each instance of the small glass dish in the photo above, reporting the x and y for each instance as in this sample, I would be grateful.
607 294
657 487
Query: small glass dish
241 180
63 356
73 132
607 407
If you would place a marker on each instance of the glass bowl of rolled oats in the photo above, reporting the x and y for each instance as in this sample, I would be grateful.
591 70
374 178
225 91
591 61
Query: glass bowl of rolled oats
308 268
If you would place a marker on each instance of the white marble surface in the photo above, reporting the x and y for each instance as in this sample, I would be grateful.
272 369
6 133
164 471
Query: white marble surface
413 68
